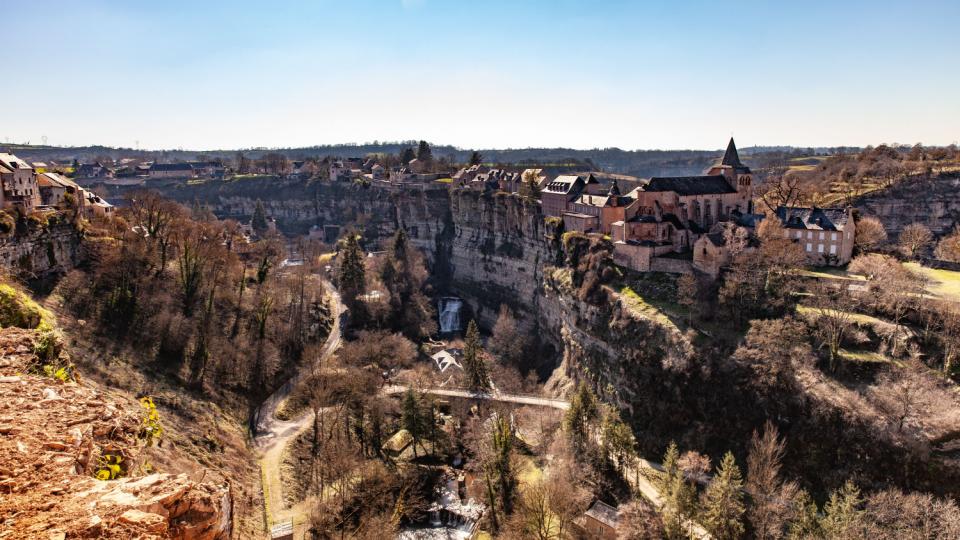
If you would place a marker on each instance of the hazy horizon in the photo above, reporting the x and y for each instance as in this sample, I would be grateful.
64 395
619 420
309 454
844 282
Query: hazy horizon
495 75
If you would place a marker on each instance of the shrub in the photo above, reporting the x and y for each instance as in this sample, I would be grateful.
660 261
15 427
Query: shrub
18 309
7 223
150 428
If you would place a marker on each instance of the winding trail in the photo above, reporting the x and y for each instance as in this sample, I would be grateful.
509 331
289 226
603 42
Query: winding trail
271 435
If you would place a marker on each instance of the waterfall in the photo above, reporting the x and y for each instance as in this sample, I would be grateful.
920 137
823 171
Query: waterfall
449 309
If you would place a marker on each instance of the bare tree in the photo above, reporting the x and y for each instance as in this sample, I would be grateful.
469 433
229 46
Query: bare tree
870 234
914 239
773 500
833 306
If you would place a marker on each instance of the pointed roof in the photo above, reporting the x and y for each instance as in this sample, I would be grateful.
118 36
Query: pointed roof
731 157
614 189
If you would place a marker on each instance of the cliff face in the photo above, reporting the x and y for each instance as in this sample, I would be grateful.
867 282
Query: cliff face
489 249
933 201
42 251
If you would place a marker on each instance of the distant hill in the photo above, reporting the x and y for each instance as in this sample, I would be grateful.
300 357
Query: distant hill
642 163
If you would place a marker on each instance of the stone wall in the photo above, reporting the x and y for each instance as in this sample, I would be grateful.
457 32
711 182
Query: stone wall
671 266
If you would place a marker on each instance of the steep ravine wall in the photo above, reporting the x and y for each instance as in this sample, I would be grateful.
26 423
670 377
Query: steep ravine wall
495 249
41 252
933 201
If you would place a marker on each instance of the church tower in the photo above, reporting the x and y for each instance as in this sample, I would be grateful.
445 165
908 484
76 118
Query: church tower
737 174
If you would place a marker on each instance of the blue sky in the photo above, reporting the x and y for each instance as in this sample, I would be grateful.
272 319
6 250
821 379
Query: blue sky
510 73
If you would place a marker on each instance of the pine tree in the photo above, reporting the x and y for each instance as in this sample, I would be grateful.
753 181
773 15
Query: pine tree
424 153
473 363
259 220
723 506
617 438
407 155
842 514
679 495
580 416
476 158
411 418
804 523
352 275
502 446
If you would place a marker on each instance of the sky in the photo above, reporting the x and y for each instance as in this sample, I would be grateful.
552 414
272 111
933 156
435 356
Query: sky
480 73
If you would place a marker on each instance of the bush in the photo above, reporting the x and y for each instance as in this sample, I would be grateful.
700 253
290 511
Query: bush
7 223
18 309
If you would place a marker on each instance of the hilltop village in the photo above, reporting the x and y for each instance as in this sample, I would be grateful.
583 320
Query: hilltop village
671 224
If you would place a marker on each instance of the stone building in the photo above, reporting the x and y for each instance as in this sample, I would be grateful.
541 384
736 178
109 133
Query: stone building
825 234
669 214
19 182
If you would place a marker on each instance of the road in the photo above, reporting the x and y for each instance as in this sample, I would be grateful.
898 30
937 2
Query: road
272 435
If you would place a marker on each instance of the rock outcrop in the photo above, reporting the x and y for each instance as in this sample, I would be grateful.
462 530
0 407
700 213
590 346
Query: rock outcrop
55 436
41 251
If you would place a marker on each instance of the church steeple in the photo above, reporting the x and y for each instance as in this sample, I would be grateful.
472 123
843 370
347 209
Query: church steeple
614 189
731 157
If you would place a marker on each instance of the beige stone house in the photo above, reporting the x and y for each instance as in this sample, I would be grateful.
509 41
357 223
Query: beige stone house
20 189
600 522
825 234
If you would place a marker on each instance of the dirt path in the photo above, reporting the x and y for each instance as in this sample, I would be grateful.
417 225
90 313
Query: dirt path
273 435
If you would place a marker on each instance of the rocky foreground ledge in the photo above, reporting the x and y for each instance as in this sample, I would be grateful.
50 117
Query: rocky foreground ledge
54 437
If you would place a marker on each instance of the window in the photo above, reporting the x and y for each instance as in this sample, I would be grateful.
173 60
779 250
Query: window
821 235
833 249
799 234
833 236
809 235
819 248
809 247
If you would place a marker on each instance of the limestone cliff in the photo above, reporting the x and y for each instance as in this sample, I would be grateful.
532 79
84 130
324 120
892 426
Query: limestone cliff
38 251
931 200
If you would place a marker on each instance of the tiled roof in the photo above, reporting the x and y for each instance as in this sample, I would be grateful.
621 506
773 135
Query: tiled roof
604 513
691 185
561 184
818 219
13 162
170 167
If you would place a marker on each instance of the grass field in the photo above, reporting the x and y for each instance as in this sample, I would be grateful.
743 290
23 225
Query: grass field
944 284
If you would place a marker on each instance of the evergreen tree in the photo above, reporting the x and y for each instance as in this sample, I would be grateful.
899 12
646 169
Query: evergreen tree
424 153
617 438
804 523
723 506
411 418
473 364
503 471
407 155
679 495
259 220
476 158
842 514
582 413
404 275
352 274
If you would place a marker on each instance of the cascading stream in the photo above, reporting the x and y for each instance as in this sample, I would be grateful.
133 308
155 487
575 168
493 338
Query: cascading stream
449 309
